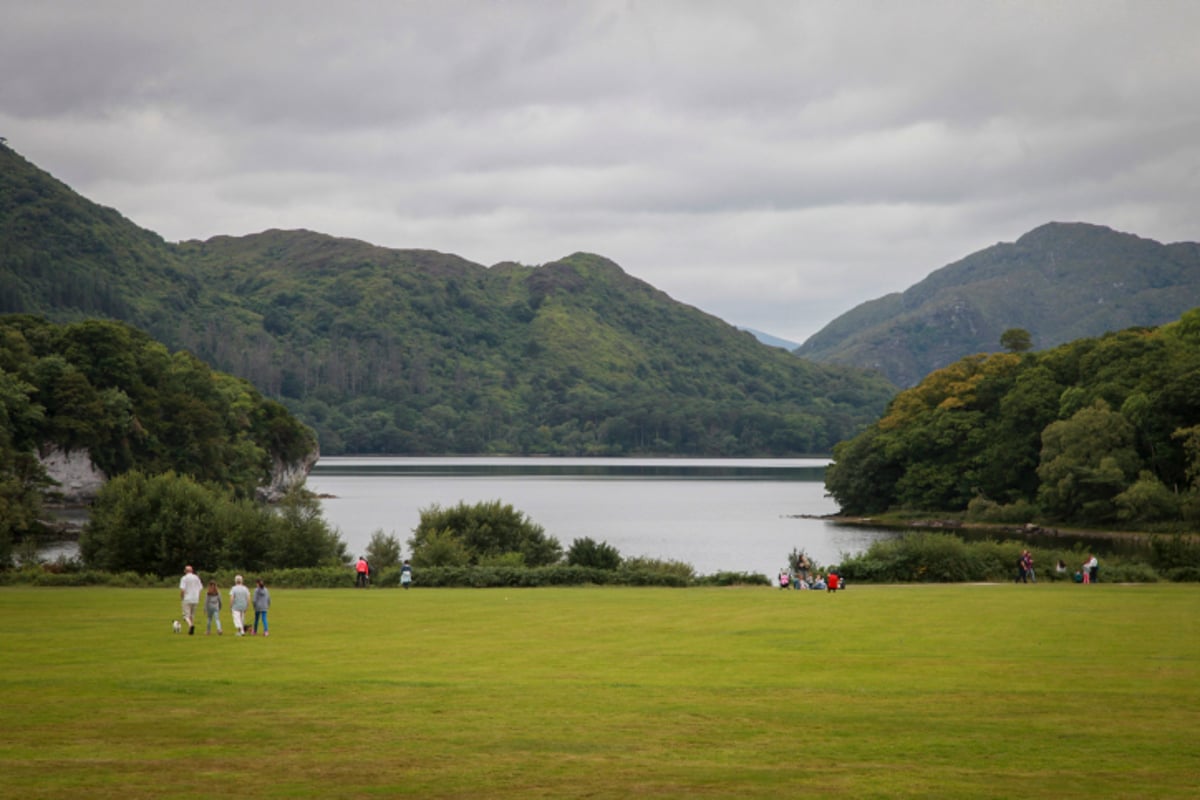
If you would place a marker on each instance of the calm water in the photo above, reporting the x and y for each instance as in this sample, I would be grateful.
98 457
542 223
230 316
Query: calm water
729 514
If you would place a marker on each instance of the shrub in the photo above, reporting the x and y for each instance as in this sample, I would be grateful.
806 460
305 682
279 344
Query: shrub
440 549
734 579
1175 552
383 551
485 531
586 552
1184 574
1127 572
680 570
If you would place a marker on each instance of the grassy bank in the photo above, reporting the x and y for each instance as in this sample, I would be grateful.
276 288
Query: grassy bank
891 691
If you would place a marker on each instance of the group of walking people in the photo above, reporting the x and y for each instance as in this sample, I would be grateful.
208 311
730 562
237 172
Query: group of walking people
240 602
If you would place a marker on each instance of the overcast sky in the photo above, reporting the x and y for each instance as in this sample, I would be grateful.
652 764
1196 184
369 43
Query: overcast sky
772 163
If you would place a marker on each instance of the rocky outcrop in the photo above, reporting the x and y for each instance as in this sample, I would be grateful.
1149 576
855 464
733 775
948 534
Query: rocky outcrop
77 477
286 475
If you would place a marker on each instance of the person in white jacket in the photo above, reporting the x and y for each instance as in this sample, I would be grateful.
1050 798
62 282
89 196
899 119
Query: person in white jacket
190 588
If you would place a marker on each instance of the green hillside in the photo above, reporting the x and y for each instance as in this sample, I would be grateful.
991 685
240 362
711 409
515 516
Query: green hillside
418 352
1060 282
1098 431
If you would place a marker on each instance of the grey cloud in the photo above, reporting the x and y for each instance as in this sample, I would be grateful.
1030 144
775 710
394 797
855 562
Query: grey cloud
771 162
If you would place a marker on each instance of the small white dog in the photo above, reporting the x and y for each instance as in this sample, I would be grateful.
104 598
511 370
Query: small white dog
175 626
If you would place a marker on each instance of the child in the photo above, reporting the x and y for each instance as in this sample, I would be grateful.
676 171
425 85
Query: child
212 608
262 601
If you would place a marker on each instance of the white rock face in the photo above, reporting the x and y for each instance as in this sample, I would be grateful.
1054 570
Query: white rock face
78 478
285 475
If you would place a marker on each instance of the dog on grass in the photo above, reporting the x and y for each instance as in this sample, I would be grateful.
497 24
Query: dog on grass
175 626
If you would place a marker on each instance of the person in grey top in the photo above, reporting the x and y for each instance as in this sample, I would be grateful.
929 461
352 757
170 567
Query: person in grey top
239 601
262 601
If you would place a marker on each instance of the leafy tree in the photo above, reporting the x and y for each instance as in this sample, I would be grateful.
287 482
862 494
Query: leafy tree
301 537
158 523
383 550
22 479
1016 340
1147 500
586 552
1087 461
153 524
486 530
247 530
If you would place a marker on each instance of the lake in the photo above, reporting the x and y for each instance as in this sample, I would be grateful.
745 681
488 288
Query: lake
740 515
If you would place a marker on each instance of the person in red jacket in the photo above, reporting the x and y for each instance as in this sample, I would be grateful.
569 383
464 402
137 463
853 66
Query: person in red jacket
832 582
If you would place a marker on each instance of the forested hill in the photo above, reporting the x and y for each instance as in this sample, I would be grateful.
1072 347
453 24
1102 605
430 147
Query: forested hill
1060 282
1099 431
419 352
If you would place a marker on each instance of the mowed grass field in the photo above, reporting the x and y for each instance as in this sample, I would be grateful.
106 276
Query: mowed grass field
890 691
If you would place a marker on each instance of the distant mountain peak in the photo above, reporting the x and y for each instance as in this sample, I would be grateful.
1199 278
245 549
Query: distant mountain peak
1060 281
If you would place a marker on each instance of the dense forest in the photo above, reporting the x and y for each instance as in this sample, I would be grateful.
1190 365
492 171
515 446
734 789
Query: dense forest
418 352
111 391
1100 430
1060 282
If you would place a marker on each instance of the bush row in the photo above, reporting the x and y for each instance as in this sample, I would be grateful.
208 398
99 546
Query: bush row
932 557
929 557
338 577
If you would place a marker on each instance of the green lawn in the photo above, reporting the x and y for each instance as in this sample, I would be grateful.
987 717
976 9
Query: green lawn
896 691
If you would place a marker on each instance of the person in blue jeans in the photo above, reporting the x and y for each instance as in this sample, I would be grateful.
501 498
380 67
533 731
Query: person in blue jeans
262 601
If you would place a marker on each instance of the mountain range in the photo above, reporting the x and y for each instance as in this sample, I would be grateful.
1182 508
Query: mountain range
417 352
406 351
1059 282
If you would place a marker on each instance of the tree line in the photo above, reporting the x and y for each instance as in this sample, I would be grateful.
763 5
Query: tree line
111 391
1099 431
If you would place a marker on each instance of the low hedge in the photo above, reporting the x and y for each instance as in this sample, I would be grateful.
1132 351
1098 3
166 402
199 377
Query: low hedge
341 577
936 557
